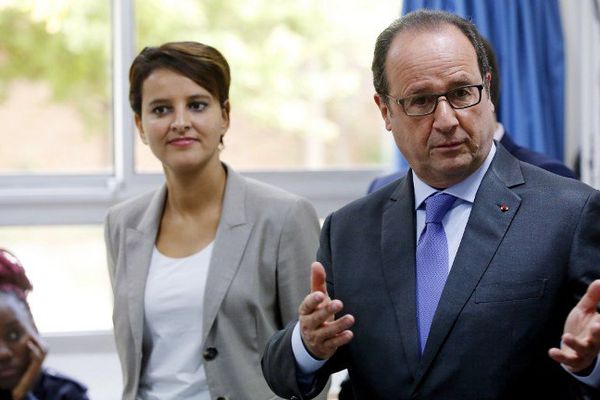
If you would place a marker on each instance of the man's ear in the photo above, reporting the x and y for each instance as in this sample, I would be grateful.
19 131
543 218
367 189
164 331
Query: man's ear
140 128
384 109
488 84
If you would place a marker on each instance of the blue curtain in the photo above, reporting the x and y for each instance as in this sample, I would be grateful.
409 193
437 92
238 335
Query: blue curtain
527 37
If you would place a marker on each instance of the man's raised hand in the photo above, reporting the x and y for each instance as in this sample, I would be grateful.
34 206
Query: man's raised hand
321 333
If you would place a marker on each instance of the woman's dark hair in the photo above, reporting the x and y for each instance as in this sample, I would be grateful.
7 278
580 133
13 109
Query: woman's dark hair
12 277
203 64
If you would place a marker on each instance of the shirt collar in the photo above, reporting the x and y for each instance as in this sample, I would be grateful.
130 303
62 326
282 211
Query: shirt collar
464 190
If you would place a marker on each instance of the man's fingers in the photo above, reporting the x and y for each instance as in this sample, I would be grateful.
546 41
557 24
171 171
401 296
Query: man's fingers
318 291
561 356
574 354
571 359
333 343
584 347
317 278
324 341
327 331
311 303
591 298
321 333
332 329
341 339
325 312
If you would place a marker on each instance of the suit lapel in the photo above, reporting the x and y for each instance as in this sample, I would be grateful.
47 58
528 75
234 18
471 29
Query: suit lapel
398 251
140 243
493 210
231 240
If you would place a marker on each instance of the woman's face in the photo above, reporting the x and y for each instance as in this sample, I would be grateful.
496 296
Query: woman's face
181 121
15 328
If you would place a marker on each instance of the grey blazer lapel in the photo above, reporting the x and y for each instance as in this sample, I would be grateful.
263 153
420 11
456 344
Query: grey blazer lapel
231 240
139 242
398 245
493 210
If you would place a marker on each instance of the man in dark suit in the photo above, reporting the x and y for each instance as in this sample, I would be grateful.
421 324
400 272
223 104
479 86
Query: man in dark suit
522 153
455 283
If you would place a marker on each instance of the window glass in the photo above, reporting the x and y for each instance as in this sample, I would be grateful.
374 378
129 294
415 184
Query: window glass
54 86
67 268
301 90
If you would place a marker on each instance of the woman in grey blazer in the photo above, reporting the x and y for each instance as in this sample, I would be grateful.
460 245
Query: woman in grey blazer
205 269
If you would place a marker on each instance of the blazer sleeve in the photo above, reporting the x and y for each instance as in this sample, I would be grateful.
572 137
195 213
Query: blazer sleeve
110 255
297 250
278 362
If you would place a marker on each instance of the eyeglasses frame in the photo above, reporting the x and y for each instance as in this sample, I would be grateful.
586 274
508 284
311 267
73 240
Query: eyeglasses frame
400 101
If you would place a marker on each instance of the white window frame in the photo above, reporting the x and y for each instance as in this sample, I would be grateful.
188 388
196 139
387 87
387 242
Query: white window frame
84 199
70 199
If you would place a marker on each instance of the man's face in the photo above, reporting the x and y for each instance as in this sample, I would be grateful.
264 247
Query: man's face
447 146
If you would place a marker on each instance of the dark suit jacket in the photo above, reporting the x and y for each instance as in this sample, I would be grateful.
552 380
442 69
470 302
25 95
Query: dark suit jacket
52 385
538 159
515 277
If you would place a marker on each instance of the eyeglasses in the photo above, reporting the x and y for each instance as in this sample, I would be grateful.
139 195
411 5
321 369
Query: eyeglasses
425 104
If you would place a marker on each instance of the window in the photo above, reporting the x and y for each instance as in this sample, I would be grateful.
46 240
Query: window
54 87
67 267
303 119
301 77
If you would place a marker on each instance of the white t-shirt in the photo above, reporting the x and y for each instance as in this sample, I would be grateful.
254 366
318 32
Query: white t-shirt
173 308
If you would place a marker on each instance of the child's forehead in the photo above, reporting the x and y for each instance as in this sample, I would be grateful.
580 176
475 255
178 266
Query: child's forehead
12 307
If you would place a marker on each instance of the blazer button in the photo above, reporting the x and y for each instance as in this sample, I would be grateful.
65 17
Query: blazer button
210 353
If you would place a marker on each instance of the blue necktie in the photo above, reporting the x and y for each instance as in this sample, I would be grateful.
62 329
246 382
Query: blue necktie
432 262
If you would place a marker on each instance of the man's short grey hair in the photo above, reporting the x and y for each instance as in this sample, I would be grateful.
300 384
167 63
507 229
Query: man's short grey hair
422 21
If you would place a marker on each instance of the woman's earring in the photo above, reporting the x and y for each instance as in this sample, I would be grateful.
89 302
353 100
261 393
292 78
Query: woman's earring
221 145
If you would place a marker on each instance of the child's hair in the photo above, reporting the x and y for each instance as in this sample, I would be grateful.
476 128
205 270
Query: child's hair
12 276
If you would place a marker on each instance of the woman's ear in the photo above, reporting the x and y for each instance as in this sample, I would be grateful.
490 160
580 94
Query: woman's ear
225 110
140 128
